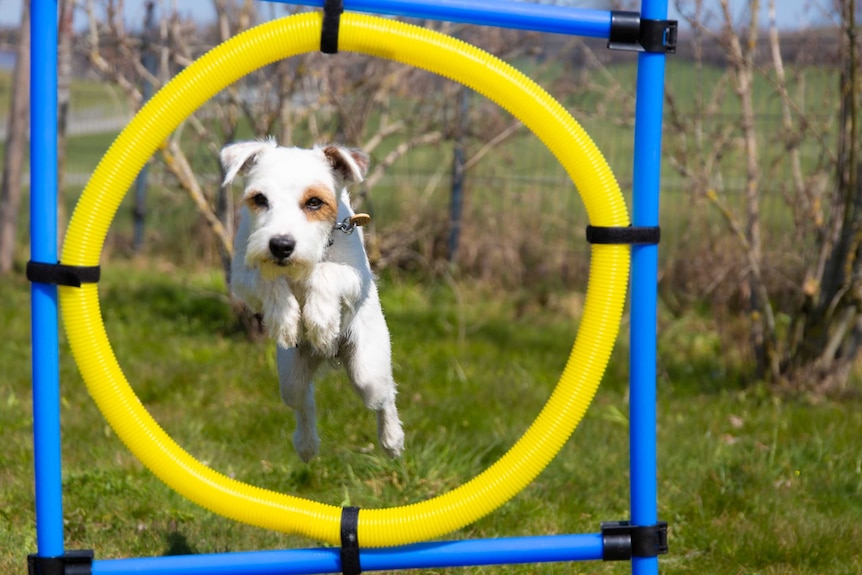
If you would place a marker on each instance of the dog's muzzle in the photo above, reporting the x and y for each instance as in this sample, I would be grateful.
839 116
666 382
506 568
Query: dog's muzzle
281 247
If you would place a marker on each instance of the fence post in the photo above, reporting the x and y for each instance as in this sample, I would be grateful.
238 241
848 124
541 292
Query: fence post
456 207
148 59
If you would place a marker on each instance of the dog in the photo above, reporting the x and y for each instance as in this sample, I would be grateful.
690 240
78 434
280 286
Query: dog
296 263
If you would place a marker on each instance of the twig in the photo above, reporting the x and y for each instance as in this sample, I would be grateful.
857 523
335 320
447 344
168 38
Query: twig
178 165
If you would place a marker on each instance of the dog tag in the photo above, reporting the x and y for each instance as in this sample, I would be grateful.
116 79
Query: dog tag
360 219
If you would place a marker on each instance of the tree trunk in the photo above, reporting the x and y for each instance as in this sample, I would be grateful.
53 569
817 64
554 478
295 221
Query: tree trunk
832 334
16 143
761 314
64 96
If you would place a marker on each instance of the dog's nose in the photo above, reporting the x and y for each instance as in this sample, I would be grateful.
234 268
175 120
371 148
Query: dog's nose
281 246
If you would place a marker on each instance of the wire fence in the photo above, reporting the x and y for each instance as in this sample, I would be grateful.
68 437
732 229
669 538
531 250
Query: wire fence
522 218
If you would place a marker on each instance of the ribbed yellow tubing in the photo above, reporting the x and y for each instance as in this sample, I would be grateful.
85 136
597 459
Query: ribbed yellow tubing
423 49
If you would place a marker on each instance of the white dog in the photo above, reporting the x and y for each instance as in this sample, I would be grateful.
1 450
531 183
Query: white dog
296 262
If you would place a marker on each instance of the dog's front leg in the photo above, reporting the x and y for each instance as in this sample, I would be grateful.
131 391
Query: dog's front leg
368 362
331 288
281 312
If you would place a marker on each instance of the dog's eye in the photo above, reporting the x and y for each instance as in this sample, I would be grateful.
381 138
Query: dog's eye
260 201
314 203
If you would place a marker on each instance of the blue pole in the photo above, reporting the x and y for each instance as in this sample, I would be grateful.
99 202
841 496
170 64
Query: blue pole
43 249
646 176
442 554
501 13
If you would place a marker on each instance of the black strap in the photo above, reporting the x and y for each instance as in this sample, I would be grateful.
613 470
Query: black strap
332 10
350 541
630 235
61 274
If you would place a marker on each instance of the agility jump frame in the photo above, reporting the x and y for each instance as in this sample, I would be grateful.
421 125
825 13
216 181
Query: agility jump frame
640 540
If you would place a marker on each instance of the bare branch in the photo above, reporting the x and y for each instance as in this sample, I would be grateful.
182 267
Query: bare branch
102 65
177 163
398 152
792 144
508 132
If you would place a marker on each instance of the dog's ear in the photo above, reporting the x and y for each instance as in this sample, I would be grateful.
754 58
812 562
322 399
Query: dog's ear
349 164
239 157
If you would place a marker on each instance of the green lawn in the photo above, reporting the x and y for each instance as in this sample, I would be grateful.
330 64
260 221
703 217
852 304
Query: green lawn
747 481
86 96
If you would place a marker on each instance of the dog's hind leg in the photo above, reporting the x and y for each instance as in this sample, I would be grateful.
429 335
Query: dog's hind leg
369 367
295 371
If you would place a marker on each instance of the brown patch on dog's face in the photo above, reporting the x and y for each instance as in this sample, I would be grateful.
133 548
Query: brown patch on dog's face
256 201
318 203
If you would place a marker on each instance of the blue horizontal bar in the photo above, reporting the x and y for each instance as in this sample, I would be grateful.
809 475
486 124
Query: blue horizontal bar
540 549
501 13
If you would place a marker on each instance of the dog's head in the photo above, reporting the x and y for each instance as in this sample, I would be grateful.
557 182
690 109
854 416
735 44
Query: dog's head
291 196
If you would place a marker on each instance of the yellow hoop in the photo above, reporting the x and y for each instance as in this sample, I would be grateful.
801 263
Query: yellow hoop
423 49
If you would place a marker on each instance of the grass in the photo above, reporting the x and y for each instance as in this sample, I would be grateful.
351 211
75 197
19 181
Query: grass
87 96
748 482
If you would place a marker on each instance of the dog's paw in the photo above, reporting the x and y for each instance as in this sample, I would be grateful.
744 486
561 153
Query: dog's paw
393 444
282 320
285 336
322 326
306 444
392 439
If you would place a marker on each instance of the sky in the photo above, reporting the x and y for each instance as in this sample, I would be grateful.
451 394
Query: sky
792 14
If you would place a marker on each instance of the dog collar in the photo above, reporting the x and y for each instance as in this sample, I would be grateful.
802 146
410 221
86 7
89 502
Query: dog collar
348 225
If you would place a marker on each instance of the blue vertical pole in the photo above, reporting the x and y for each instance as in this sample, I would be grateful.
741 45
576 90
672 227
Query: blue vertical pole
43 249
647 165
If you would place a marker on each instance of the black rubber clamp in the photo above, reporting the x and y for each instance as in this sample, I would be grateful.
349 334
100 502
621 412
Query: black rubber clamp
631 235
77 562
350 541
61 274
332 10
621 540
632 33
